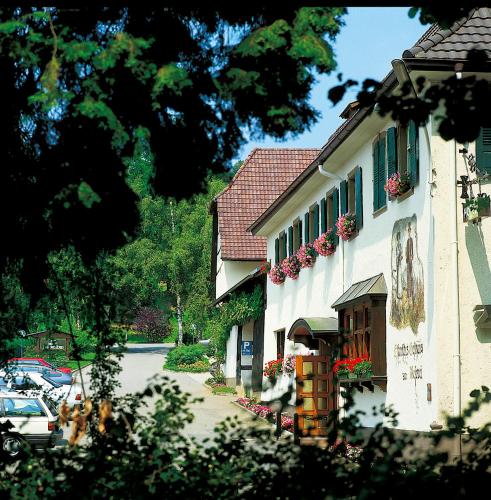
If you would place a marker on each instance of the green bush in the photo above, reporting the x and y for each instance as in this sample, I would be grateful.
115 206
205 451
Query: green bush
223 389
186 355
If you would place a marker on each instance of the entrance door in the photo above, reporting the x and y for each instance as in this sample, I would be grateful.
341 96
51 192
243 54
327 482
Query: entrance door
315 394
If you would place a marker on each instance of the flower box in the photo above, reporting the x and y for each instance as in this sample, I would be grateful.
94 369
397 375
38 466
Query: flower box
346 226
397 184
276 275
306 255
325 244
291 267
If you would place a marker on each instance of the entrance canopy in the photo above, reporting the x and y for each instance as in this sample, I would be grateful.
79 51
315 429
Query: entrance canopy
308 331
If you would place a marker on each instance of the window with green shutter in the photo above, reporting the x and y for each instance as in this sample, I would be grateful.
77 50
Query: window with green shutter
483 151
306 227
343 197
358 198
315 233
297 234
413 153
335 212
379 172
282 246
290 240
391 151
323 215
277 251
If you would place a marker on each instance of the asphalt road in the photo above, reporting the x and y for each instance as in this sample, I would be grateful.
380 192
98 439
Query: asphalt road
142 363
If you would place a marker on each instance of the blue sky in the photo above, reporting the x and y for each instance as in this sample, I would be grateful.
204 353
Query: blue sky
371 38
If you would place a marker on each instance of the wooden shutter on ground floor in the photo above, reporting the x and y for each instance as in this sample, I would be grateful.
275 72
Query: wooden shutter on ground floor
283 244
335 212
483 150
413 163
276 251
290 240
358 198
323 215
391 151
299 228
343 197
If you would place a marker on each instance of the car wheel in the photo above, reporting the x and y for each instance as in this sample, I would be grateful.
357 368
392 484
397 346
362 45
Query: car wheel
13 445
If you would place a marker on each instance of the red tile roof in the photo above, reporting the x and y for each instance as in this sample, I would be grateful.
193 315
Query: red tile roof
264 175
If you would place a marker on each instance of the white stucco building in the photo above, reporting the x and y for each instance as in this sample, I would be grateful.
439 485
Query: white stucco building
411 288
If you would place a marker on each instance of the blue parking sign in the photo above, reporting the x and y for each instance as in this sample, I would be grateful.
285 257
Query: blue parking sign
247 347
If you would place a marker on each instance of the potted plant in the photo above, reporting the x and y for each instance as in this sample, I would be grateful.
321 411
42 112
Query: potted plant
325 244
273 368
363 369
341 368
291 267
289 364
276 275
475 208
346 225
306 255
397 184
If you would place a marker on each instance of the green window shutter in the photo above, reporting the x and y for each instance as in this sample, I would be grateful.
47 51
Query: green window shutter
358 198
382 175
391 151
290 240
306 231
300 232
277 251
323 215
284 245
376 203
335 212
343 197
483 150
316 221
413 166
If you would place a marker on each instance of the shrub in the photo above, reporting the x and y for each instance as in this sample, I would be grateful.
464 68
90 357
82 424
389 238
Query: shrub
196 367
152 324
186 355
223 389
85 342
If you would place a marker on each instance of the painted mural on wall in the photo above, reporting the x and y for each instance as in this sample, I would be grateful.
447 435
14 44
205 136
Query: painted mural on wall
407 305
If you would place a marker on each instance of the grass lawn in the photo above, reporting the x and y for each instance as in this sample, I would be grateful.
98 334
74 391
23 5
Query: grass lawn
87 359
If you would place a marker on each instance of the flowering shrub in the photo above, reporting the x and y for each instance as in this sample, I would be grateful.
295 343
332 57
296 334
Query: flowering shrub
291 267
265 267
346 225
266 412
289 364
276 275
273 368
397 184
325 245
286 422
343 367
346 450
306 255
152 323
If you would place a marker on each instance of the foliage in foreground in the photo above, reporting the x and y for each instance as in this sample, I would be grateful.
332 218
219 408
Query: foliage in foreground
152 457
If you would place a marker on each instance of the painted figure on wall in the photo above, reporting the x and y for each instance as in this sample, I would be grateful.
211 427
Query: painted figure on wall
407 305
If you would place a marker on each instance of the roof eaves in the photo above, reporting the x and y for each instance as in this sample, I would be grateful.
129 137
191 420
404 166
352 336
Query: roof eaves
336 139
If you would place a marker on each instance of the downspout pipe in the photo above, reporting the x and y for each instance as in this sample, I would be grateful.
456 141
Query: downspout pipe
335 177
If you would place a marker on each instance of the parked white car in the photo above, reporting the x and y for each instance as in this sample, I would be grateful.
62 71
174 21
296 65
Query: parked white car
37 383
34 420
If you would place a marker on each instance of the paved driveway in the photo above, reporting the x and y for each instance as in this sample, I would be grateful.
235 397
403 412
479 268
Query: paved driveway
143 362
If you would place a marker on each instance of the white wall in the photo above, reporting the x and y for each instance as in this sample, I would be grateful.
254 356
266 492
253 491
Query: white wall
231 354
230 272
367 255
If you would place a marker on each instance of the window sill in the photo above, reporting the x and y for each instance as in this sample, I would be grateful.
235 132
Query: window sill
407 194
369 383
379 211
